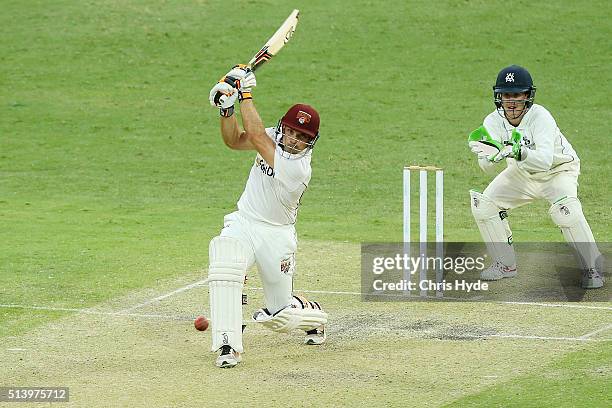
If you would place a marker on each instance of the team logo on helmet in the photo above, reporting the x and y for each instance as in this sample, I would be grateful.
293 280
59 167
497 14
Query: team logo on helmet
510 77
303 117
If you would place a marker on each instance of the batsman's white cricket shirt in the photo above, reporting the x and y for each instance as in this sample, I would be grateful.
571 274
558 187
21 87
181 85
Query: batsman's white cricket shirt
548 151
272 195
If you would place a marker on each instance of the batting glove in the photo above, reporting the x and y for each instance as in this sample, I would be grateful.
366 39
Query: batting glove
244 79
223 95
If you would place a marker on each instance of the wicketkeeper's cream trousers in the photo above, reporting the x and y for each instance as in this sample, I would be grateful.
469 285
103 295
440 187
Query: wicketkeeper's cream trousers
513 188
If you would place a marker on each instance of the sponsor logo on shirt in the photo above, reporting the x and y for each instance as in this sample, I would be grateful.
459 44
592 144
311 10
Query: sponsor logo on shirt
525 139
264 167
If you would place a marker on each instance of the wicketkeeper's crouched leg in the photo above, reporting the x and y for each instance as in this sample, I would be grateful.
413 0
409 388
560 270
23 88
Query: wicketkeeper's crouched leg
567 214
494 228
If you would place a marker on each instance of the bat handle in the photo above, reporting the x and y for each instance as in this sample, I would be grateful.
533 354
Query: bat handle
217 98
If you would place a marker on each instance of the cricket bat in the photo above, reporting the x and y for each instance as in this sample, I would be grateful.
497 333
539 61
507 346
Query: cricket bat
272 46
276 42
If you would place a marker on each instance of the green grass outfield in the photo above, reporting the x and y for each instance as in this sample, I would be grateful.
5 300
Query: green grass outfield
113 179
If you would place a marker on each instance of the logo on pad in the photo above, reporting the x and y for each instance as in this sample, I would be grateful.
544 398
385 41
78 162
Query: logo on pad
287 265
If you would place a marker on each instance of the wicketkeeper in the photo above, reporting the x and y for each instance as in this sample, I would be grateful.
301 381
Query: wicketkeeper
541 164
262 231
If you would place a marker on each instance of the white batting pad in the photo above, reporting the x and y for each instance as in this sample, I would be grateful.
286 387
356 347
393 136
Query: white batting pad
300 314
494 228
228 263
567 214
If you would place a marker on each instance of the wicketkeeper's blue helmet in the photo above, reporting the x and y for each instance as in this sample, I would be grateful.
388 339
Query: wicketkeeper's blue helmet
513 79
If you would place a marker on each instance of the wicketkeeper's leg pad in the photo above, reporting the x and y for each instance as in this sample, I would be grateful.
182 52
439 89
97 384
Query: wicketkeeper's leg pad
493 225
567 214
228 264
300 314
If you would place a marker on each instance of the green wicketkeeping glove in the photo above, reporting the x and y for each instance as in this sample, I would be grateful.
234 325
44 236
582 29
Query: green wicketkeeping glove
516 137
514 149
481 143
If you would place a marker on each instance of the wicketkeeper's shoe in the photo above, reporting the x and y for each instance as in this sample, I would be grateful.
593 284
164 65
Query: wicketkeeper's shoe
228 357
498 271
315 336
592 279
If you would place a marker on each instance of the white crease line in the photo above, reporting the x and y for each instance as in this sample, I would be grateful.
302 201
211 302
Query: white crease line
453 298
167 295
584 338
94 312
336 292
593 333
559 305
520 336
452 336
391 295
326 292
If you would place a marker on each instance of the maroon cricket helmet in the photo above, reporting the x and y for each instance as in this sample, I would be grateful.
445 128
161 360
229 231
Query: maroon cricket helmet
303 118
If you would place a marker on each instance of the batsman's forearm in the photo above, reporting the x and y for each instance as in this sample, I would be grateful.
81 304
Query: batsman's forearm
230 130
256 132
250 118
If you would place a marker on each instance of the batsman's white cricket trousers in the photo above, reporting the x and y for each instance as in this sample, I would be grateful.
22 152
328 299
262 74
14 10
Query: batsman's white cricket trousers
272 248
513 187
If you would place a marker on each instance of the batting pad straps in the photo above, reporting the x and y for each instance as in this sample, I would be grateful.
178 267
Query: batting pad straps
228 263
300 314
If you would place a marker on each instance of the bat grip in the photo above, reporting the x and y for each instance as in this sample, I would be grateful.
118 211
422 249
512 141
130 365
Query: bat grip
217 98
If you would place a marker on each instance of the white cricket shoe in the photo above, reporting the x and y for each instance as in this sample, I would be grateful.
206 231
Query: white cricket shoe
228 358
498 271
592 279
315 336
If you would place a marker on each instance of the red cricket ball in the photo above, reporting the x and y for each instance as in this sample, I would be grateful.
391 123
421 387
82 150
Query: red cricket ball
201 323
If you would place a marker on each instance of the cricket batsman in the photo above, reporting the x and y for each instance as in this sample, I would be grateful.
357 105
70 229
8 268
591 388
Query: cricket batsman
541 164
262 230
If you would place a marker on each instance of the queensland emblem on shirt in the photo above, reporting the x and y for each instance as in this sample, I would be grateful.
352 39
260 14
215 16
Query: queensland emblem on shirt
264 167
